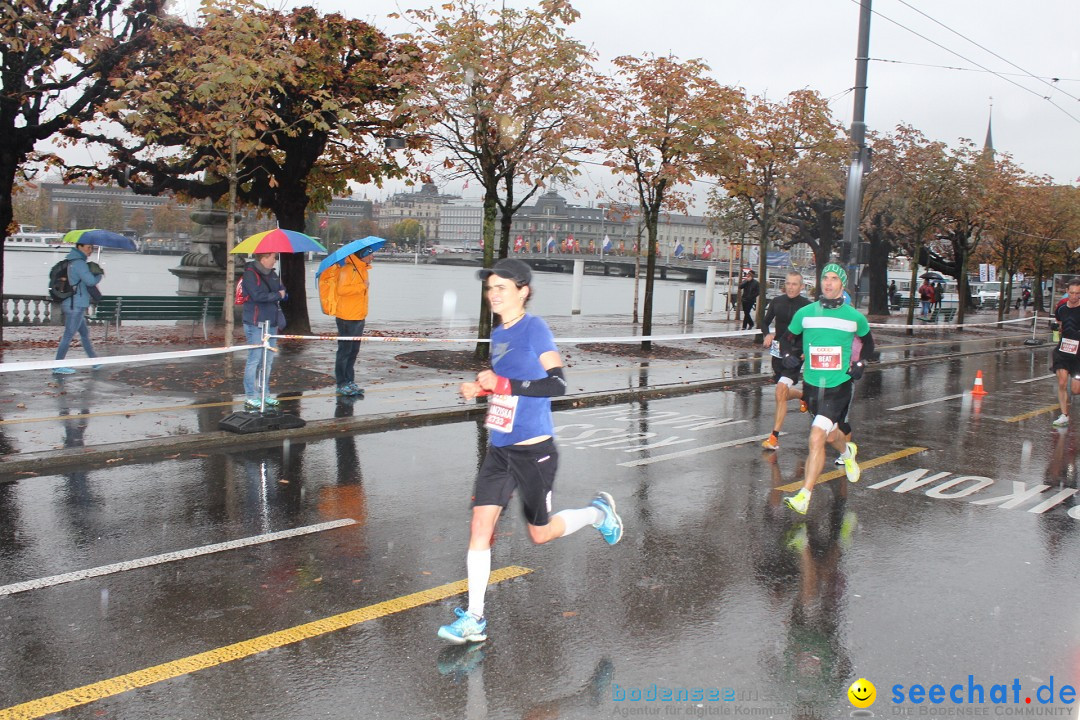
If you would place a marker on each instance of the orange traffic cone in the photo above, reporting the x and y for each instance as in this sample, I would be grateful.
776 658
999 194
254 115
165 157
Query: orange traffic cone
978 390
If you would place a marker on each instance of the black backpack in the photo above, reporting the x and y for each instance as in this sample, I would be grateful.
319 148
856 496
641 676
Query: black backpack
59 287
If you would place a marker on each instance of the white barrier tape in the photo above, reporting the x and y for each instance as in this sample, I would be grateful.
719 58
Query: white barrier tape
117 359
951 325
558 340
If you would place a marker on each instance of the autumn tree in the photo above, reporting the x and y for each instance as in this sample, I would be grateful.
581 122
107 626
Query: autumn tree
508 103
924 176
56 61
322 94
664 119
771 142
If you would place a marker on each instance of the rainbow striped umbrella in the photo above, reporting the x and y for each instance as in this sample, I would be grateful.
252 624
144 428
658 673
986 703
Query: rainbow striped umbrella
278 241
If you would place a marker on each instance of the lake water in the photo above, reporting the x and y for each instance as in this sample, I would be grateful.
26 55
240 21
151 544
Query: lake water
400 292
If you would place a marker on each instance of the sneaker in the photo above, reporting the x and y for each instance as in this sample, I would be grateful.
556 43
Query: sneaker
465 629
839 461
611 526
251 403
850 466
799 501
272 401
803 407
1062 421
355 389
343 390
63 371
771 443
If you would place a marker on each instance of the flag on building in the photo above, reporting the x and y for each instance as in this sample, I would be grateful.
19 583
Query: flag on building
551 243
679 250
518 243
607 244
708 251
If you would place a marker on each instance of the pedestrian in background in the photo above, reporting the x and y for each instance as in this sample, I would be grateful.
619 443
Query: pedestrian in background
750 289
343 292
82 281
264 293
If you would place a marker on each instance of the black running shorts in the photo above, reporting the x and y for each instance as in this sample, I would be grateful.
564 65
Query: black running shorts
779 371
530 469
1065 361
832 403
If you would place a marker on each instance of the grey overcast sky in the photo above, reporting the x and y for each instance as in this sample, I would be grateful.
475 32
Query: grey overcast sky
917 50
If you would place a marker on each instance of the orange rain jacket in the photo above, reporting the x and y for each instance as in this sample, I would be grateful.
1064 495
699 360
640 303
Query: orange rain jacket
343 291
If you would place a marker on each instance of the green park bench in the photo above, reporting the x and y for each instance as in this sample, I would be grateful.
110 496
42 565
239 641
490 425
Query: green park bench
112 310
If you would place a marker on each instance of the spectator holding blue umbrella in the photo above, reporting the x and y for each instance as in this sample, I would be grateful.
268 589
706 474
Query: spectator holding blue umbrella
343 293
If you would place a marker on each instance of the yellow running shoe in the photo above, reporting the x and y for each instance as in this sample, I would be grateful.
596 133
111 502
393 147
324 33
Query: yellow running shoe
799 501
850 466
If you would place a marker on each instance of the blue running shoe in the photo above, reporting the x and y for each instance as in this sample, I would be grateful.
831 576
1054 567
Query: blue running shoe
63 371
272 401
465 629
611 526
251 403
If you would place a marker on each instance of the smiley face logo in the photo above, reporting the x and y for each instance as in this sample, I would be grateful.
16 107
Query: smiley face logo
862 693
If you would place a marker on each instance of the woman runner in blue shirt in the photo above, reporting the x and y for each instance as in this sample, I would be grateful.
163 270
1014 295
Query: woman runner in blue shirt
527 372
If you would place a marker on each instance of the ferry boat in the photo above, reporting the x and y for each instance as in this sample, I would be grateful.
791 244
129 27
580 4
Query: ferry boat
35 242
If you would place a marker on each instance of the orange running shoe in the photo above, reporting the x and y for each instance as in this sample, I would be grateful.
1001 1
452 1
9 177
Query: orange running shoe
770 443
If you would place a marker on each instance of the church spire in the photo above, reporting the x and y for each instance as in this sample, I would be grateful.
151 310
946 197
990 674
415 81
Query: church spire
988 144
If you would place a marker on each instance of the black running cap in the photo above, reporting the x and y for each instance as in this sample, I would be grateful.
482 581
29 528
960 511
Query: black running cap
509 268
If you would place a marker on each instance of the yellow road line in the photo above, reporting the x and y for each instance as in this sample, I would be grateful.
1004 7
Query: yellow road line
1033 413
246 648
826 477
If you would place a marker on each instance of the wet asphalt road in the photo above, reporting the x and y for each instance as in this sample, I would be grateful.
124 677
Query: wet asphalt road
947 560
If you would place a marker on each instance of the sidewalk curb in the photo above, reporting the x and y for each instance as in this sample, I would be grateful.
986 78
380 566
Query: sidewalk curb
38 463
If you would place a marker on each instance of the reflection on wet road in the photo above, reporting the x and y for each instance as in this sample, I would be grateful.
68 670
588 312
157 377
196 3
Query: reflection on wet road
953 557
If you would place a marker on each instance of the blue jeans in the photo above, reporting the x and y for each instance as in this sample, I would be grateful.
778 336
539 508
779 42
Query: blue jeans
926 305
74 322
256 379
347 350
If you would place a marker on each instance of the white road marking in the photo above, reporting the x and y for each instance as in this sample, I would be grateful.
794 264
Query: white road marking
695 451
1035 379
927 402
169 557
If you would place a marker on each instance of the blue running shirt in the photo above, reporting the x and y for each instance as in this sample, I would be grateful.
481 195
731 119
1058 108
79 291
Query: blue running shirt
515 354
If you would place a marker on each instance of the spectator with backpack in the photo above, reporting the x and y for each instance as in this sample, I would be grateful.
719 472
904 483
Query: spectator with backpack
926 297
72 282
262 293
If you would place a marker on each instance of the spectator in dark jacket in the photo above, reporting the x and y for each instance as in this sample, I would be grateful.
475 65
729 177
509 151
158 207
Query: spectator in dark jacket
265 292
750 290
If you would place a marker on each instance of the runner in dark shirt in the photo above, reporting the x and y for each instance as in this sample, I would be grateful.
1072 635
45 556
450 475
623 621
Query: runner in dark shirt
1066 359
782 308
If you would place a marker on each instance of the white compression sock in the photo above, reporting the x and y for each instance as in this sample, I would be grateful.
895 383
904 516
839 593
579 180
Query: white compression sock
577 519
478 565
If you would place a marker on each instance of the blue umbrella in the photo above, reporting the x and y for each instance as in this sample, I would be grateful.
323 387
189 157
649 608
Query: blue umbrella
363 247
101 238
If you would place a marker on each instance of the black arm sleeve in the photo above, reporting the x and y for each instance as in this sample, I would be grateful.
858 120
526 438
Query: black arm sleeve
868 347
770 314
553 385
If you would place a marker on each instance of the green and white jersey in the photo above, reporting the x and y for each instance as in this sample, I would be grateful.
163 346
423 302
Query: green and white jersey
827 335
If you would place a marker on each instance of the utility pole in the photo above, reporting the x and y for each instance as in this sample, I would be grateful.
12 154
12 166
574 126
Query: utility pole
859 156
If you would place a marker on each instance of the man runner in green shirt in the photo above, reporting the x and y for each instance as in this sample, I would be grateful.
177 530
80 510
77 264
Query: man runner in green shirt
829 329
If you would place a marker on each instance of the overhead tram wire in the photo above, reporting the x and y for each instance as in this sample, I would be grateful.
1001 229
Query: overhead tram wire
973 62
983 47
963 69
